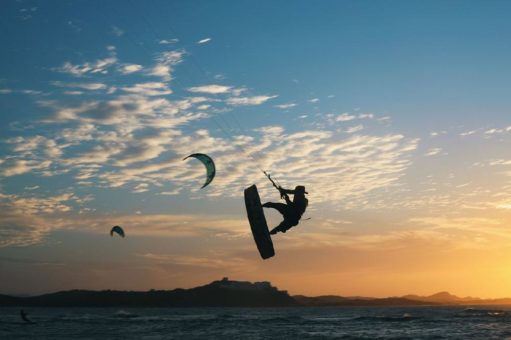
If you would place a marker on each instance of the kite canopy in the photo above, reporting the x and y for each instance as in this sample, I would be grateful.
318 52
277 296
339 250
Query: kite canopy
118 230
208 163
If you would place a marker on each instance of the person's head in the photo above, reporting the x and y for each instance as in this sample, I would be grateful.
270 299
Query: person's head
300 189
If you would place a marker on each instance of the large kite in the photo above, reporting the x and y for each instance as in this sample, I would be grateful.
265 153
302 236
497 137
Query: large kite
208 163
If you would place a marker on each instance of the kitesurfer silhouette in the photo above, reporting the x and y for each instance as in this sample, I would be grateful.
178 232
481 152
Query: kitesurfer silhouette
24 316
292 211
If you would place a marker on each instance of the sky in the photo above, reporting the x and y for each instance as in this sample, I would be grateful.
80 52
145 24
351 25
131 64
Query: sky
394 115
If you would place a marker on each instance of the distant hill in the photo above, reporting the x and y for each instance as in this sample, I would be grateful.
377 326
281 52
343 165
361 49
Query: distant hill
331 300
227 293
222 293
447 298
441 297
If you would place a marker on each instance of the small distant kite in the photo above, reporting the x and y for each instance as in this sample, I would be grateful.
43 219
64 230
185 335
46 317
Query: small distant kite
118 230
208 163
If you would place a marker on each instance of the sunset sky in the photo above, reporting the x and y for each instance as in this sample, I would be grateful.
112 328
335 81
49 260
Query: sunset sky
395 115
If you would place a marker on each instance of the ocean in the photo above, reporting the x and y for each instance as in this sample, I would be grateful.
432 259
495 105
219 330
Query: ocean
488 322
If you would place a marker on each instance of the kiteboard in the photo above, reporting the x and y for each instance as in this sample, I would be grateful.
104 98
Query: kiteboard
258 223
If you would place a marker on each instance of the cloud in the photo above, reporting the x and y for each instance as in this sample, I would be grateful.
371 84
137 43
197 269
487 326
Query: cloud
165 64
170 193
211 89
27 221
433 152
504 205
31 92
145 148
74 26
134 139
468 227
354 129
85 86
366 116
212 261
149 89
345 117
5 91
32 205
168 41
468 133
203 41
21 166
142 187
500 162
116 31
130 68
285 106
437 133
20 230
245 101
129 111
79 70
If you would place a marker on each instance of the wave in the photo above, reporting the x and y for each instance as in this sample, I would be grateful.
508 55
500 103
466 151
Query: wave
125 315
476 312
385 318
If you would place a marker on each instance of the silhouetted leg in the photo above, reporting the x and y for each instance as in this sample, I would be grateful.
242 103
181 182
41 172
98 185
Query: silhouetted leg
280 207
282 227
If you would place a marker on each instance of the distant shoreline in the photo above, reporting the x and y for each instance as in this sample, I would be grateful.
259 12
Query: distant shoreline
227 293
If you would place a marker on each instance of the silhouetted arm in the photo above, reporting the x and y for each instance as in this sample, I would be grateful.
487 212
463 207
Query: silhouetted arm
286 191
284 194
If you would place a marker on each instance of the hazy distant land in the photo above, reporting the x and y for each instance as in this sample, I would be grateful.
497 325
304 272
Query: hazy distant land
227 293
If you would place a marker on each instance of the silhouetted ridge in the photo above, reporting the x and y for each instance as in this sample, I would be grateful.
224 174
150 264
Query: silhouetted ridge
227 293
331 300
222 293
446 298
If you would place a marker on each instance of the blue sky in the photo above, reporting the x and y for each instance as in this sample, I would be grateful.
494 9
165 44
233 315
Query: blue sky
393 114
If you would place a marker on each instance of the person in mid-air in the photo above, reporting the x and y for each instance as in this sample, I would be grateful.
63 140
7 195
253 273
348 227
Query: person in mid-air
292 210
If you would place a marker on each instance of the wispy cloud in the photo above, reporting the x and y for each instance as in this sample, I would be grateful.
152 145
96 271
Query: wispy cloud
211 89
345 117
165 64
85 86
21 166
130 68
116 31
203 41
168 41
468 133
433 152
354 129
149 89
100 66
245 101
285 106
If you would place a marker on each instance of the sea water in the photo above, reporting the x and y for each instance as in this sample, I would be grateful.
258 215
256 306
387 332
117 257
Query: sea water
488 322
